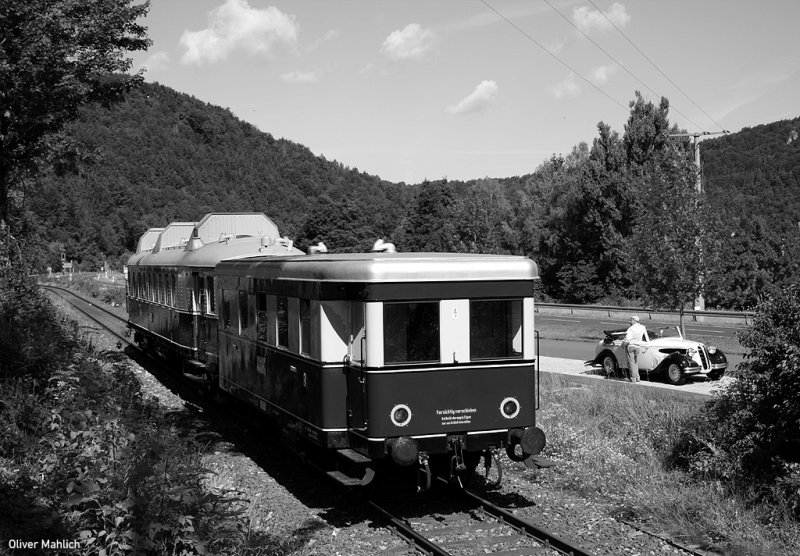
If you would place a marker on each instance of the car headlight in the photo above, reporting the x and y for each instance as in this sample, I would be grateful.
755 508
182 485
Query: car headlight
712 350
690 352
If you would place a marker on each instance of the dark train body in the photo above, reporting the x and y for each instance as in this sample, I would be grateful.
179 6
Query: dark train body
420 358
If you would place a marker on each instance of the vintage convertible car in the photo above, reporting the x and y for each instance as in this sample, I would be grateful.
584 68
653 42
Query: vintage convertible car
666 354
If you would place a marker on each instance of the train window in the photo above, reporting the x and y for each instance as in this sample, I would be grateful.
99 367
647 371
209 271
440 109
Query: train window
283 321
261 317
227 308
243 313
410 332
305 326
495 329
172 281
212 305
203 293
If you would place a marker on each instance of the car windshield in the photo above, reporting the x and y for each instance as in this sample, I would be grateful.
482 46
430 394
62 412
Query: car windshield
667 332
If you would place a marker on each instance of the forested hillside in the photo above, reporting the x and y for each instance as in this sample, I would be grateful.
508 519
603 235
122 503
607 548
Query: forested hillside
601 221
755 174
162 156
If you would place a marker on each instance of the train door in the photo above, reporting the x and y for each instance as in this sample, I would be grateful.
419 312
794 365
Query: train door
228 337
356 369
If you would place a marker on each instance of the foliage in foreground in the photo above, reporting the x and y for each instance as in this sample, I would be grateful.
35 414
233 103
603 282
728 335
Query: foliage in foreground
749 437
615 447
86 459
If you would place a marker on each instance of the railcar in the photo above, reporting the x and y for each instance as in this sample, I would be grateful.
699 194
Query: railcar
170 291
402 359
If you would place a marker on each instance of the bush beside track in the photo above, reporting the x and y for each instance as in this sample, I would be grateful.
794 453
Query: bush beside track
90 462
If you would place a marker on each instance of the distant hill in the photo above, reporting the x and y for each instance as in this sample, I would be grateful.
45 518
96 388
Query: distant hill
755 174
163 156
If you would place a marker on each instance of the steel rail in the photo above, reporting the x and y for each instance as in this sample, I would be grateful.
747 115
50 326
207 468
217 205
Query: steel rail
408 533
419 541
61 291
550 540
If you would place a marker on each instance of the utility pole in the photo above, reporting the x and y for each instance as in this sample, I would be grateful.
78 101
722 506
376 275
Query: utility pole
698 184
699 303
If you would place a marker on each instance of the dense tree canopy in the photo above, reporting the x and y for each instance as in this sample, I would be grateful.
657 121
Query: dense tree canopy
162 156
55 56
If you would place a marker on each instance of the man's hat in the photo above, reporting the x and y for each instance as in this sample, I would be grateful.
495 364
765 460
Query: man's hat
634 317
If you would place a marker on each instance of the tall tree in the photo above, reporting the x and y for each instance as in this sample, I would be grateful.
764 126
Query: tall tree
429 225
647 130
55 56
340 225
667 242
480 218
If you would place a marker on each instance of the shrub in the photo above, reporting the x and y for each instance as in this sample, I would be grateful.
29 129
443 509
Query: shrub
749 435
32 340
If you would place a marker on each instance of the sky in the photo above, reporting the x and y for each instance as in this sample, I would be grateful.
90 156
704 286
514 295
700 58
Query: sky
410 90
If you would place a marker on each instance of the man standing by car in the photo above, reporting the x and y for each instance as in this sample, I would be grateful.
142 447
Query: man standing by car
632 344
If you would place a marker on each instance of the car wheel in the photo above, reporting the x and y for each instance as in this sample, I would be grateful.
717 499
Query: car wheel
610 367
675 375
716 375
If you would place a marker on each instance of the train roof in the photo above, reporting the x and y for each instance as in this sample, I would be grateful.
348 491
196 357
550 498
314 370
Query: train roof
209 255
216 236
148 240
386 267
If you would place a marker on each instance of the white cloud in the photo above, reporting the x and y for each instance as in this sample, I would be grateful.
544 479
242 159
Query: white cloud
567 88
479 99
236 27
588 20
156 62
329 36
301 77
602 74
413 41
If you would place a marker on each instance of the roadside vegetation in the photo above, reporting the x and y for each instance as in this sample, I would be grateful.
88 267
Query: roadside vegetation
627 450
722 475
86 458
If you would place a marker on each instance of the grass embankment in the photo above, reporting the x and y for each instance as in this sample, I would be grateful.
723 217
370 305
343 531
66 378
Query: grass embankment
613 445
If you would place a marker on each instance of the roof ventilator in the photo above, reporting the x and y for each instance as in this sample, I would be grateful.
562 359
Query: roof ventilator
381 246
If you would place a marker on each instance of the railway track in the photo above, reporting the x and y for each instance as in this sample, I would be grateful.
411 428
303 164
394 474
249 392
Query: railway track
111 322
465 524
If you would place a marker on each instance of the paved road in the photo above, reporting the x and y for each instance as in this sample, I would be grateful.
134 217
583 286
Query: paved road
604 323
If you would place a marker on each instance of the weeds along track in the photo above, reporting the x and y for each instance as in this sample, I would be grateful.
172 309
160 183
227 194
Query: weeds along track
460 523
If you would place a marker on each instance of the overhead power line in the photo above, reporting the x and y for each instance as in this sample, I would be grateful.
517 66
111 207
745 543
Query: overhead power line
620 64
559 60
652 63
